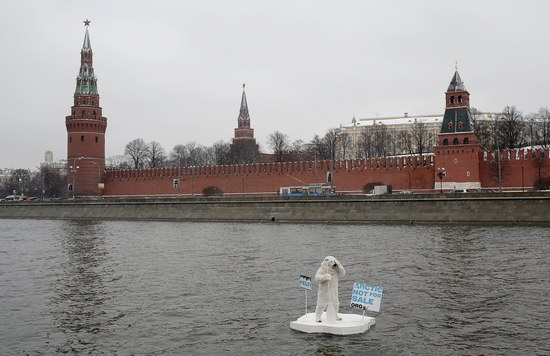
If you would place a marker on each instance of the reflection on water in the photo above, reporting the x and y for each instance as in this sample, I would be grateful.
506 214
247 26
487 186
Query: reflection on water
79 298
164 288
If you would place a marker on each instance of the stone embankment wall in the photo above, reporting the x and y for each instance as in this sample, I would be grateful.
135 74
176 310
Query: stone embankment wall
465 208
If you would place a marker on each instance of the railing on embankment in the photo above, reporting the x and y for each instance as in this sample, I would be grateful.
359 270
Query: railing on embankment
509 208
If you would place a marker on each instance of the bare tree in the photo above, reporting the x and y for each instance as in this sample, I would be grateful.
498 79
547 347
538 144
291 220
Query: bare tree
18 182
331 140
279 144
138 152
118 162
420 137
178 156
195 154
157 156
344 144
482 128
220 151
380 140
543 120
365 142
406 139
511 127
318 148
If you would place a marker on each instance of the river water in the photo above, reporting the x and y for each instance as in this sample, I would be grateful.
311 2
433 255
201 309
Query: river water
163 288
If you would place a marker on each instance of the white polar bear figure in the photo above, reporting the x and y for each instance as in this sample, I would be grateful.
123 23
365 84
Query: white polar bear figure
327 276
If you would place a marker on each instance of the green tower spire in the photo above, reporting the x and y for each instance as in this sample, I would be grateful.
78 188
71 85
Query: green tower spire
86 82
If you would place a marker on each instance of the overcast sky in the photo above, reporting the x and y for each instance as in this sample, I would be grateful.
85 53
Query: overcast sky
172 71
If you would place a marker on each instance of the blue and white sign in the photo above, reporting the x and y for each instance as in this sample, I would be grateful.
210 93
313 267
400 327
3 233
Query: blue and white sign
305 282
366 296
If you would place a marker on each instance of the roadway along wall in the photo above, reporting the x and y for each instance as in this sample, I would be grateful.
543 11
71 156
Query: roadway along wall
504 209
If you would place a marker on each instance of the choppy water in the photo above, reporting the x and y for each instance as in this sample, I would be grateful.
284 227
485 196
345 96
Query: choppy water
162 288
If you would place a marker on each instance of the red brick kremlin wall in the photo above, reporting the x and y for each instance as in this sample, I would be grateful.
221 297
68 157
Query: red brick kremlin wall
349 177
520 168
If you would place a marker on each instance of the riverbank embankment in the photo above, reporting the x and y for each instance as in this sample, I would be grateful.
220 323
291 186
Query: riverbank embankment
507 208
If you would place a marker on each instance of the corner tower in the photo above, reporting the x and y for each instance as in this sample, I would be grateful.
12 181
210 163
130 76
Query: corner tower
457 150
85 130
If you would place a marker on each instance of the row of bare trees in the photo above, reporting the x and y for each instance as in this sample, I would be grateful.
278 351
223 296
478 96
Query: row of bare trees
509 129
48 182
512 129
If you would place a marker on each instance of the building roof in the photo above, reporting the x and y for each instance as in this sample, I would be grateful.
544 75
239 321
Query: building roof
243 114
86 46
456 83
404 120
457 120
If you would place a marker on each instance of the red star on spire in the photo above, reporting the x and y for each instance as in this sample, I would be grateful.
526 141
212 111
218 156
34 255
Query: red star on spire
86 22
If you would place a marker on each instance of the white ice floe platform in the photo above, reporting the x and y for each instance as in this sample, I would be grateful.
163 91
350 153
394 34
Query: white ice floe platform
349 325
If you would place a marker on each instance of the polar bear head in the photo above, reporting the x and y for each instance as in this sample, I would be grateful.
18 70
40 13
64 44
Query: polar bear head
330 264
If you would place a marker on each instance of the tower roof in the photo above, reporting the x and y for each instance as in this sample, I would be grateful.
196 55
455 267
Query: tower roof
456 83
243 114
86 46
86 82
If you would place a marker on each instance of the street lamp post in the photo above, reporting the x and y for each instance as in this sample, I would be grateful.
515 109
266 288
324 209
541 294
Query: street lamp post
74 168
441 173
522 182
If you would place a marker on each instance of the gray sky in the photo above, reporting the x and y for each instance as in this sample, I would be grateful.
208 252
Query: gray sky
171 71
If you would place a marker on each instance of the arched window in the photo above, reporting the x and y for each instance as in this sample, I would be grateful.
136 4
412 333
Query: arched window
70 139
83 113
96 140
455 141
445 142
466 141
82 138
451 125
460 125
94 114
460 98
452 99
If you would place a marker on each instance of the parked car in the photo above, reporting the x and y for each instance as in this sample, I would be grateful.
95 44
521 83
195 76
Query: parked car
15 198
485 190
458 191
405 192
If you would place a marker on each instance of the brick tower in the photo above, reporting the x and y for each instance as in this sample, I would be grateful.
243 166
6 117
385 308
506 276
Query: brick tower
457 150
85 130
244 148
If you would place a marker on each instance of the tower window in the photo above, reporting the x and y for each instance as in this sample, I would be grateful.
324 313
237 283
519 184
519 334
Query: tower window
82 138
460 98
70 139
451 125
460 125
93 102
452 100
82 113
94 114
455 141
466 141
96 140
445 142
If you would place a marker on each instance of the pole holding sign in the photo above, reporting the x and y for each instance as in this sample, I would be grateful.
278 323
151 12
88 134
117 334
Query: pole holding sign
305 282
366 297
